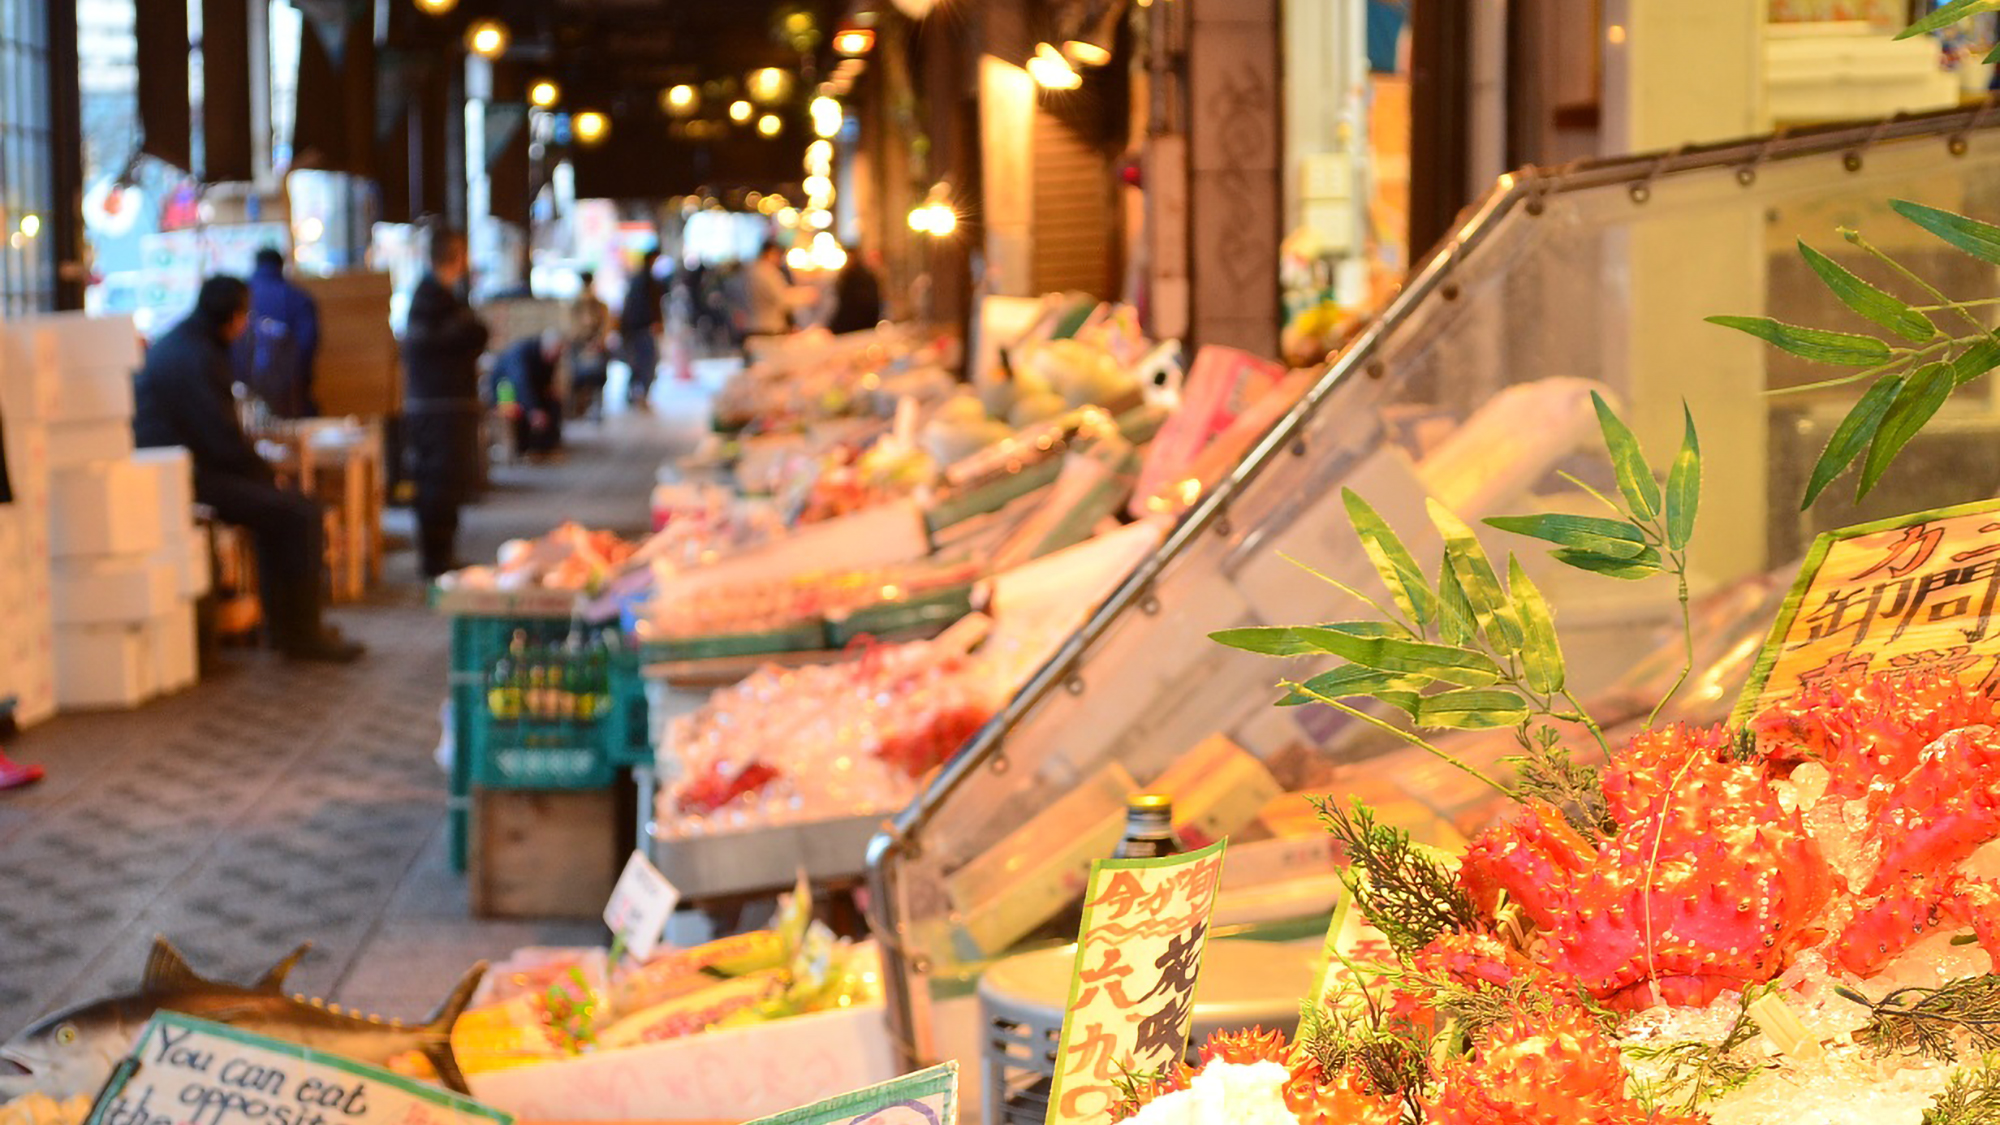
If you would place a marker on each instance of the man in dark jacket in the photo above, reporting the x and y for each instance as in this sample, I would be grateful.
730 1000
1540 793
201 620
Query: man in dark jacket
639 321
275 357
182 397
528 368
442 342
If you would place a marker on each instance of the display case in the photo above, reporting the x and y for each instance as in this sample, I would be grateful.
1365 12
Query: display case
1472 390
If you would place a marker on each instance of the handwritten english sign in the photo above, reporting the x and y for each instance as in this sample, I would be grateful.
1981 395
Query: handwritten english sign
1918 593
186 1071
1131 999
927 1097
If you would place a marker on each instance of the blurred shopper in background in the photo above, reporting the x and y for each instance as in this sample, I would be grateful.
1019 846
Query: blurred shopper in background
857 296
528 369
442 342
587 323
274 357
182 397
639 321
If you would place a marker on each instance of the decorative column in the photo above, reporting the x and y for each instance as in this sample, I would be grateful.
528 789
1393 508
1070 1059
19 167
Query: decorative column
1234 203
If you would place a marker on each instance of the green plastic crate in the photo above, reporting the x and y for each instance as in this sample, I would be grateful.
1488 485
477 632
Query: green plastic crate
908 619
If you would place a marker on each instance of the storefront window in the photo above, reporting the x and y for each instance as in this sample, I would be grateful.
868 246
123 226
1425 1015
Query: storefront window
27 270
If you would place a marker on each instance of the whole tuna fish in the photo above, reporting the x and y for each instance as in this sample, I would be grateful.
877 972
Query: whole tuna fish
73 1051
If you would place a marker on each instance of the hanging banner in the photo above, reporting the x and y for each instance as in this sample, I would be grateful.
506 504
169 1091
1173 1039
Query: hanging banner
187 1071
927 1097
1916 593
1131 992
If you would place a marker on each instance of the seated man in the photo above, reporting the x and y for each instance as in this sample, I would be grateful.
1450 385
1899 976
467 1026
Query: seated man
528 367
182 397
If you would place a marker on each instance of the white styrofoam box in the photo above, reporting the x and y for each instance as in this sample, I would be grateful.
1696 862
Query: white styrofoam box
27 458
120 589
190 561
173 469
176 661
27 388
68 342
103 666
93 394
73 445
107 508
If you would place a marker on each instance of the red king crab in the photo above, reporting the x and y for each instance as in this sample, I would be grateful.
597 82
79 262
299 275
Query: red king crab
1715 877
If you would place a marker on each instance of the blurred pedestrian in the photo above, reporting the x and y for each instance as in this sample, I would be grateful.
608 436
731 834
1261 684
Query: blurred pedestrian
857 296
771 297
274 356
442 343
528 368
182 397
588 325
639 323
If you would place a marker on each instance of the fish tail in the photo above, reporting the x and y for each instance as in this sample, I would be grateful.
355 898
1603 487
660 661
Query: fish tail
437 1038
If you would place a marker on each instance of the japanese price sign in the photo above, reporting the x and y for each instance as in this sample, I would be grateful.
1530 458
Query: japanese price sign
186 1071
1913 594
1131 993
927 1097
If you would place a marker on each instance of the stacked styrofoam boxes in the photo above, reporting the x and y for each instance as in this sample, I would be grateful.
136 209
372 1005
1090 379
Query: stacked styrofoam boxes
120 525
27 624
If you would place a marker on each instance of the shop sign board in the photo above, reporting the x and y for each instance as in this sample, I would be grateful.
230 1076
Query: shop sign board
1131 992
187 1071
641 905
926 1097
1917 593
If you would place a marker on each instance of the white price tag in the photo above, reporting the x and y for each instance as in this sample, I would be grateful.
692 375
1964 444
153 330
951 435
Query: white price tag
640 906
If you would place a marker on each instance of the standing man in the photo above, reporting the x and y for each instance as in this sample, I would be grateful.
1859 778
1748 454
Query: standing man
771 295
442 341
275 356
182 397
639 323
588 323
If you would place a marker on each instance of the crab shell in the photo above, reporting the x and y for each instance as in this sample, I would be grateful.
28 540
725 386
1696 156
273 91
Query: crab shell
1535 1069
1867 728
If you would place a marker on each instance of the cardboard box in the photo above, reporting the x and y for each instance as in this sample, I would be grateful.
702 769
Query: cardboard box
93 394
118 590
175 648
103 667
76 445
108 508
731 1074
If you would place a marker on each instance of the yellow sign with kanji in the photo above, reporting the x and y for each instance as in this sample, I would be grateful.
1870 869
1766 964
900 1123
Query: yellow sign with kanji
1917 593
1131 994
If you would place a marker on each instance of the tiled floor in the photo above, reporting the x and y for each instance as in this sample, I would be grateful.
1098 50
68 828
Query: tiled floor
279 803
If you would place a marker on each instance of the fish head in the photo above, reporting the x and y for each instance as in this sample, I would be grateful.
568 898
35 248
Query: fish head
71 1052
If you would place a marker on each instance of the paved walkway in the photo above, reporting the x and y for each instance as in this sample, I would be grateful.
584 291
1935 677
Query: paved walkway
278 803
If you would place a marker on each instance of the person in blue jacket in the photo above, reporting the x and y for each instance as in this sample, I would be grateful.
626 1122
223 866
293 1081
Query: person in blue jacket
274 358
528 368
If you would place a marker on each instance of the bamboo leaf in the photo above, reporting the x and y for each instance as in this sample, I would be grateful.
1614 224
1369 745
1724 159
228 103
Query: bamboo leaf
1976 360
1354 679
1391 559
1635 477
1981 240
1852 435
1884 309
1816 344
1914 405
1280 640
1471 709
1455 621
1946 16
1684 486
1645 566
1992 56
1541 655
1588 533
1448 663
1476 580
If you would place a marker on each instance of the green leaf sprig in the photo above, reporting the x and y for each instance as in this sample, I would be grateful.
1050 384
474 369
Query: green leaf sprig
1915 373
1971 1096
1407 894
1698 1072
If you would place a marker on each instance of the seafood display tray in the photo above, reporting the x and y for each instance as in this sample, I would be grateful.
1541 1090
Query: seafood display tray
762 860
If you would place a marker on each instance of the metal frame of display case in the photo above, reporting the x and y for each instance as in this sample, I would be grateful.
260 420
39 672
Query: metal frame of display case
1525 189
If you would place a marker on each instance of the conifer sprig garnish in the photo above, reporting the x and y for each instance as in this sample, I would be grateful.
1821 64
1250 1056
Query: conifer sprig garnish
1929 1021
1408 895
1697 1073
1971 1096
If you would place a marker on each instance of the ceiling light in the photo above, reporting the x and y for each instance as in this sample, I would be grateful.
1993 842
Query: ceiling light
819 218
1085 53
799 259
827 253
591 126
544 93
486 38
787 216
436 7
826 116
740 111
31 224
818 187
768 85
1051 71
770 204
769 125
680 100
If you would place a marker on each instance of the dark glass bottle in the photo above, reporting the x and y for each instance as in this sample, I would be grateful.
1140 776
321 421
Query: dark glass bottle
1149 828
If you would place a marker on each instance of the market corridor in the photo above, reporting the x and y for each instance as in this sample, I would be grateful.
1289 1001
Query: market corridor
277 802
